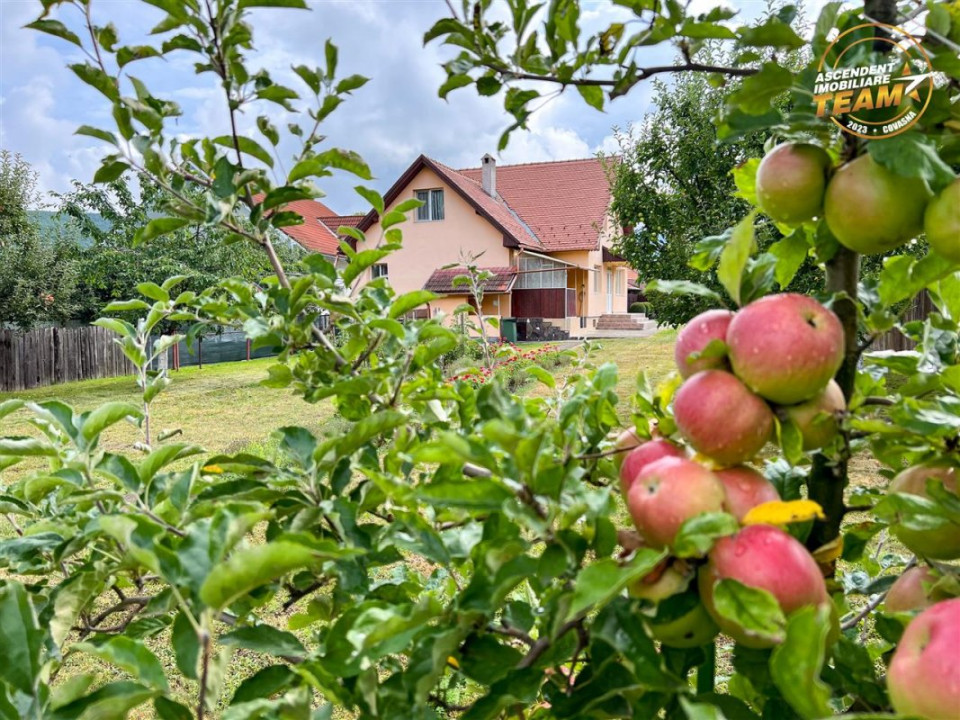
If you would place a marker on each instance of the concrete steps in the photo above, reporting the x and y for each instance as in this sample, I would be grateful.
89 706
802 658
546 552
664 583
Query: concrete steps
625 322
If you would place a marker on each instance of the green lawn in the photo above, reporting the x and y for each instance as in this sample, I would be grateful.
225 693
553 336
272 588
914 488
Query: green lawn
221 407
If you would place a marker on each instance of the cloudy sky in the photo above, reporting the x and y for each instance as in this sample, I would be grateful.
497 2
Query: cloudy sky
390 121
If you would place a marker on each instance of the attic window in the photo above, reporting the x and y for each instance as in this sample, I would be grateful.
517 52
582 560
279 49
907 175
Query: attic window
432 208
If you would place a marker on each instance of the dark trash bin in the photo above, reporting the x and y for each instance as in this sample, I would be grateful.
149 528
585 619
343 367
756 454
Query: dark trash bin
508 329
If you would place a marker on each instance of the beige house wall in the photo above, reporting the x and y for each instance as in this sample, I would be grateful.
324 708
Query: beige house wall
494 306
594 293
429 245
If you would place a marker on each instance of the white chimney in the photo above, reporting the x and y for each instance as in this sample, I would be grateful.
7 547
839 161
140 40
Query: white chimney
489 175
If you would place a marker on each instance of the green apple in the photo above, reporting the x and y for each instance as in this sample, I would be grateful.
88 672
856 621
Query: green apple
791 181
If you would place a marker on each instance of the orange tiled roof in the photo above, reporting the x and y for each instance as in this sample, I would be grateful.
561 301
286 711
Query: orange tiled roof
563 202
500 281
547 206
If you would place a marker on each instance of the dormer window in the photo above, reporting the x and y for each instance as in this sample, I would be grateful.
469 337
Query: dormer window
432 208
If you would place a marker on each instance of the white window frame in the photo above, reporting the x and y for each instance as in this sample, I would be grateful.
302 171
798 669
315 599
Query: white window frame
597 271
428 205
376 272
538 273
621 274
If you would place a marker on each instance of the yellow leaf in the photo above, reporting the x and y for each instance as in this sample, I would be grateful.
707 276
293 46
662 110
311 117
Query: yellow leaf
452 662
213 469
782 512
829 552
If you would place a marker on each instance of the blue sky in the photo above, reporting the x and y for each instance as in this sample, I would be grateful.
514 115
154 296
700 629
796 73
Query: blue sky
390 121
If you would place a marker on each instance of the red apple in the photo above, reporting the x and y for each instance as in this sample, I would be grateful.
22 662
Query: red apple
721 418
767 558
668 492
791 181
695 336
924 674
941 543
745 488
870 209
911 591
817 417
785 347
626 441
641 456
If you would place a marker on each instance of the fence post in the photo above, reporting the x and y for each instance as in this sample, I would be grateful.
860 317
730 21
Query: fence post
248 348
200 352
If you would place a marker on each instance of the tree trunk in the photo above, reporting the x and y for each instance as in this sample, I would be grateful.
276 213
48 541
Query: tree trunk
828 476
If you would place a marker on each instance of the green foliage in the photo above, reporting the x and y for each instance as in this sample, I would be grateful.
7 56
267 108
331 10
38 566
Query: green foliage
453 547
125 244
38 277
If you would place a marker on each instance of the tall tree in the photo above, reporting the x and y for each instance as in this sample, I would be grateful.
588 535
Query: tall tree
37 275
675 187
114 262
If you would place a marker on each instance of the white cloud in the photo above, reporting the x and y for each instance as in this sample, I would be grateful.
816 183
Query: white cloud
390 121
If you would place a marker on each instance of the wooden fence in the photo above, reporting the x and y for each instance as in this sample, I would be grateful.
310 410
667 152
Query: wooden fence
48 356
896 340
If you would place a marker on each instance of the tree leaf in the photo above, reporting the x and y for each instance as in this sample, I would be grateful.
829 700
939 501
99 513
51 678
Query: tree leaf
110 702
371 196
110 171
129 655
697 535
250 568
265 639
758 93
156 228
186 646
783 512
605 579
105 416
345 160
683 287
247 145
21 639
755 611
409 301
795 665
593 95
735 254
96 133
912 154
351 82
169 710
790 252
55 28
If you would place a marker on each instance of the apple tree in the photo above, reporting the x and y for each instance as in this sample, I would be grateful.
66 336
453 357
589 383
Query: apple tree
460 551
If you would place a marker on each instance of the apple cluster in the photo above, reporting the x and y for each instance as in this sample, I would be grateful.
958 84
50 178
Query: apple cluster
868 208
774 358
777 355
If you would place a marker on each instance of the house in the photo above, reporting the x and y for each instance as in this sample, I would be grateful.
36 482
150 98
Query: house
543 231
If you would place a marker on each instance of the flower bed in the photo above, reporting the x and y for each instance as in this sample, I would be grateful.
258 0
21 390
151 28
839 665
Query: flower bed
510 365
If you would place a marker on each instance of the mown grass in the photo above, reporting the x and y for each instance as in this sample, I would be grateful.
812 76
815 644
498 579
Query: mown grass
222 407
